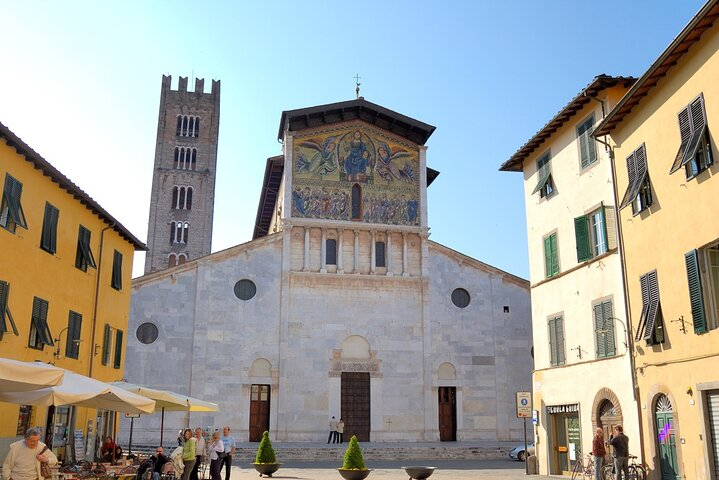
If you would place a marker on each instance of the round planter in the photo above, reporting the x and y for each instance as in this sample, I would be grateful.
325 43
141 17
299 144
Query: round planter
354 474
419 473
267 468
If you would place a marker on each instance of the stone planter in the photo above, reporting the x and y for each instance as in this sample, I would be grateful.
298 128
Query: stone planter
419 473
354 474
266 468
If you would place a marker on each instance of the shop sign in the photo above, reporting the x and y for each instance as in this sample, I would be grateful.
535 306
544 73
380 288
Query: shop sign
571 408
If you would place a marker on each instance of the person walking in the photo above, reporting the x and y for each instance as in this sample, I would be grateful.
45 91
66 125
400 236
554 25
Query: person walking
24 458
229 443
189 448
332 438
217 449
599 452
340 431
200 453
620 443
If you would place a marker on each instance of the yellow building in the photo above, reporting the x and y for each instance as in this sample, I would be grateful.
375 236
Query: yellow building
65 273
664 133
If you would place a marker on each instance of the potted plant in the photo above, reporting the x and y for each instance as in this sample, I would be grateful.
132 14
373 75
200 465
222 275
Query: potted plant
353 467
265 460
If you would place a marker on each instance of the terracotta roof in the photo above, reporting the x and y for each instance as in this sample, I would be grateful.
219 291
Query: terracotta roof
600 82
66 184
359 109
690 35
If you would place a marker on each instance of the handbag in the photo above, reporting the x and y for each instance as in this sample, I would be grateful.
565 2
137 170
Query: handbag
44 466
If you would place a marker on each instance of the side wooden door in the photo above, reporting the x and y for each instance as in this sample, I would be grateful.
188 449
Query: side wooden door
447 414
259 411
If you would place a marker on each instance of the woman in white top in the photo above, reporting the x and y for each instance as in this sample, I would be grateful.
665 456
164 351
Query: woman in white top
216 449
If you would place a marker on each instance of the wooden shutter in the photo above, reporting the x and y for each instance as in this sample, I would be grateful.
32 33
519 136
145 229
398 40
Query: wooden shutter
644 285
599 333
610 222
72 347
698 123
685 131
118 349
106 345
581 232
608 326
13 197
632 179
559 324
48 240
587 146
39 318
551 260
117 271
653 311
4 287
695 292
553 355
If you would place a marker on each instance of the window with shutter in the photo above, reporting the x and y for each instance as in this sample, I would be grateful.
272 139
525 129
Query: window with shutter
106 345
74 328
639 192
581 233
39 331
118 349
83 256
695 148
651 324
545 187
5 315
556 341
695 292
48 239
117 271
11 212
587 144
604 329
551 256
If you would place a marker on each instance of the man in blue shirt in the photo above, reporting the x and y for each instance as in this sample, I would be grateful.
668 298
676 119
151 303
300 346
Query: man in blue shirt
229 443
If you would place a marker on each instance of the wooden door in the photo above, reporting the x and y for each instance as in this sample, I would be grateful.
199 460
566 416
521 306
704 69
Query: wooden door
664 418
259 411
447 414
355 405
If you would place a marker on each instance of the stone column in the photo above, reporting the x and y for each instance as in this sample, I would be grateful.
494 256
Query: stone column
405 261
306 264
323 252
340 242
373 252
356 252
388 254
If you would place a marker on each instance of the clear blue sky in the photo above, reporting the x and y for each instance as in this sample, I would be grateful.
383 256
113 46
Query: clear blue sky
80 83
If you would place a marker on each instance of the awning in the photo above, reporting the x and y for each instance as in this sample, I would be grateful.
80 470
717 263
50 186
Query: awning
17 376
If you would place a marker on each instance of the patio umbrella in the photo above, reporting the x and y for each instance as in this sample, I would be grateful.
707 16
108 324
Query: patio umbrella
17 376
82 391
170 401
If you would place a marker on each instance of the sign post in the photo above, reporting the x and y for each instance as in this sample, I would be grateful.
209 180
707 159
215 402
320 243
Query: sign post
132 417
524 411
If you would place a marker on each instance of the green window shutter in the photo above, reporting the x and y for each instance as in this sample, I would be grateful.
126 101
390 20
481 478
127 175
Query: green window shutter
599 333
685 131
581 232
72 346
608 326
560 341
4 287
555 254
548 256
695 292
587 145
117 271
48 241
39 320
553 355
106 345
118 349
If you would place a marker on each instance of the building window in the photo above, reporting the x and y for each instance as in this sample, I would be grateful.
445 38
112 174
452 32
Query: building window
74 328
545 186
39 331
5 315
587 144
639 190
48 239
182 198
356 202
595 233
181 258
106 344
245 289
551 255
604 329
651 323
118 349
188 126
460 298
331 251
147 333
83 256
24 420
11 212
379 254
556 341
695 153
117 271
703 280
179 232
185 158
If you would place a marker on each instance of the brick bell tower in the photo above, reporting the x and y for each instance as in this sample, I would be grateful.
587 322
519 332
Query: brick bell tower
183 181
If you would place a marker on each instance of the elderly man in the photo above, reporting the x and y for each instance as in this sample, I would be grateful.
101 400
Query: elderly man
24 458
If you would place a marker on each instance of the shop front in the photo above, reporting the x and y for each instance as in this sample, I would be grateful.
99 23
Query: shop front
565 441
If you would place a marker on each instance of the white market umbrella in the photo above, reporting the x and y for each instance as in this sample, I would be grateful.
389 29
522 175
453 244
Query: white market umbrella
17 376
82 391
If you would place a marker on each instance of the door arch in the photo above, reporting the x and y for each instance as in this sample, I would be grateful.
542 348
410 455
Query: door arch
664 428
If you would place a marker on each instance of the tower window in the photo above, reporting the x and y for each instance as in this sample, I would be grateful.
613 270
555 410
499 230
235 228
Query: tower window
179 232
181 198
188 126
185 158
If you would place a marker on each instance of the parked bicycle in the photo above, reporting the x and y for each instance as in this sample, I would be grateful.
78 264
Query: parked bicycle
583 468
637 471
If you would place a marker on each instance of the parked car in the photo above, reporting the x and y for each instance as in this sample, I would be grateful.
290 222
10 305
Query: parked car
518 452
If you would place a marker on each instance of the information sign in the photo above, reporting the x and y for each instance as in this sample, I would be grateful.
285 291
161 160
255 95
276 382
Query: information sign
524 404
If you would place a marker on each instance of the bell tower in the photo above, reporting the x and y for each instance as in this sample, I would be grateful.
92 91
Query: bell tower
183 181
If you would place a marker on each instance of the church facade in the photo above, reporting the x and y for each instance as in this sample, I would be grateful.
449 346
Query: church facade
340 305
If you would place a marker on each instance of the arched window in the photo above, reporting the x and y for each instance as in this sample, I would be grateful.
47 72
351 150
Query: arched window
185 121
181 258
188 199
176 163
197 126
179 125
173 204
356 202
185 232
172 261
193 162
181 198
191 130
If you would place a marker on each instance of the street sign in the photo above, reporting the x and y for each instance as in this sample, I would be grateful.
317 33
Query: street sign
132 415
524 404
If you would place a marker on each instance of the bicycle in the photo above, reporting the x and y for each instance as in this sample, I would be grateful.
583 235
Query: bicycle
637 471
582 470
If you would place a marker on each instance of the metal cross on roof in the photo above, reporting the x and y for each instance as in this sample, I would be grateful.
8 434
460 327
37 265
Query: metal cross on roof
357 84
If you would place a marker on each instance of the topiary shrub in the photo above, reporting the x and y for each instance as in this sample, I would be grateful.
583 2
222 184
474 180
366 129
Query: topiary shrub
353 456
265 452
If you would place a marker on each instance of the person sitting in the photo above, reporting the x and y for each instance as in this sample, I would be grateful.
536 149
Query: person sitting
109 450
160 460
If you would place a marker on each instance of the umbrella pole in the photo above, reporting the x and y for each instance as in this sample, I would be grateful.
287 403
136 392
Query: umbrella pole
114 437
162 425
129 446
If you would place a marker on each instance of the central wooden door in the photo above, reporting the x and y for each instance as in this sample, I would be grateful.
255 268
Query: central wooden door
259 411
355 407
447 414
664 420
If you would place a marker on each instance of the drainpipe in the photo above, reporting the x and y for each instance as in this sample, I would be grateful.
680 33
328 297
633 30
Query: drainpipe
625 285
97 295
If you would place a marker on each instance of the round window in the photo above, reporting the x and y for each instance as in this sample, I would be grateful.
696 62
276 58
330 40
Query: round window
147 333
460 297
245 289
